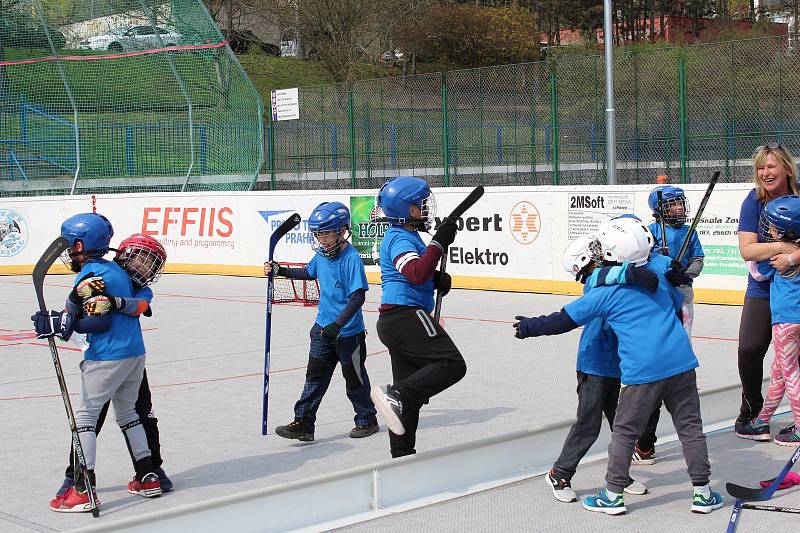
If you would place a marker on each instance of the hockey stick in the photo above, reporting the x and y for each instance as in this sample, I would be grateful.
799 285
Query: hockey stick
734 520
697 216
465 204
276 236
39 272
664 246
775 508
759 495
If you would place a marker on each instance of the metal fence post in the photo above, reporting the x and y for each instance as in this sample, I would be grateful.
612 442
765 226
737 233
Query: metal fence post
271 145
554 125
682 123
352 135
445 133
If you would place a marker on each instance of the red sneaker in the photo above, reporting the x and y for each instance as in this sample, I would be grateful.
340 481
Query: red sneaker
72 501
149 486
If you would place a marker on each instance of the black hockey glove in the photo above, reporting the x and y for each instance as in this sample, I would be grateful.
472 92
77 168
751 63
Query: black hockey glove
88 286
148 312
446 234
51 323
331 331
517 333
442 282
677 275
643 277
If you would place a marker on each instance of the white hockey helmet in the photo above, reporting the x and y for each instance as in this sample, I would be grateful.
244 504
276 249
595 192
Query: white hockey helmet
625 239
580 253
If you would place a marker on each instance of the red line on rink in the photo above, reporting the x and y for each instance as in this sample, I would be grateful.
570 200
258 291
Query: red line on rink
194 382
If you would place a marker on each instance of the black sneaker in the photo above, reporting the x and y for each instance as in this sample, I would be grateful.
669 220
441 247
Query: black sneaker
298 429
388 403
788 429
742 422
359 432
561 487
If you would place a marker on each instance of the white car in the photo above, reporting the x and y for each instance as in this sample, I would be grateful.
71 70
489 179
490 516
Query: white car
132 39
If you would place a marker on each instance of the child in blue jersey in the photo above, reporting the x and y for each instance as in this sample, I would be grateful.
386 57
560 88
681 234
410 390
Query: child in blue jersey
676 211
425 361
113 363
597 364
780 221
338 334
656 363
143 259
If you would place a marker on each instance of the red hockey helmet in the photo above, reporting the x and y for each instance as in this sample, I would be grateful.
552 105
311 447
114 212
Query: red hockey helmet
142 257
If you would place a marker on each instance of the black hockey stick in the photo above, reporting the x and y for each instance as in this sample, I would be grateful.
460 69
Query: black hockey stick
53 252
775 508
697 216
276 236
759 495
735 514
664 246
465 204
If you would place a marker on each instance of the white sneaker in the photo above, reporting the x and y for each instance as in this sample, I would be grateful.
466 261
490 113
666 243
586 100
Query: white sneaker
635 487
387 402
561 489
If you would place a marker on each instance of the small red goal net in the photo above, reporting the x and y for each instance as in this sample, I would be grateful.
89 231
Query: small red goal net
295 290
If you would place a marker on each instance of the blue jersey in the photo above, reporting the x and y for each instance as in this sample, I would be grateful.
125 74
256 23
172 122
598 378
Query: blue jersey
652 342
784 295
749 216
339 277
124 338
396 289
598 349
675 238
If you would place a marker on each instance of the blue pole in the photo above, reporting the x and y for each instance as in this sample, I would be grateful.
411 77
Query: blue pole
129 150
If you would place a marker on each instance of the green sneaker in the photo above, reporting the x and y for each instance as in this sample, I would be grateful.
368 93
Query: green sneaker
601 503
701 504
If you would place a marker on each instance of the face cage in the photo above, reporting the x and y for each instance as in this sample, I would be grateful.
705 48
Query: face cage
428 212
672 219
344 235
772 233
135 259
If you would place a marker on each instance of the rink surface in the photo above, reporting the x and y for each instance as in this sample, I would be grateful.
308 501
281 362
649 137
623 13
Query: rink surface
205 360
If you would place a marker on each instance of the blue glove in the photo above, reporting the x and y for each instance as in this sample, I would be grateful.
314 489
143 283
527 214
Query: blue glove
51 323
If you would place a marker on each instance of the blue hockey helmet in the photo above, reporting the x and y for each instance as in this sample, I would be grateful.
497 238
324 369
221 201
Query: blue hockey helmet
398 195
780 220
327 220
676 205
93 230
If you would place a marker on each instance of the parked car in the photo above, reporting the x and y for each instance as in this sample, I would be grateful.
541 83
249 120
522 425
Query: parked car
243 41
392 56
132 39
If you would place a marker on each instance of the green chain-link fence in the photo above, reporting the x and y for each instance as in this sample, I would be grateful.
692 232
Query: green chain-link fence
122 95
85 108
681 111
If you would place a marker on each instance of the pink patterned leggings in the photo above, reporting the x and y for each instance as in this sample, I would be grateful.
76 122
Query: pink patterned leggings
785 371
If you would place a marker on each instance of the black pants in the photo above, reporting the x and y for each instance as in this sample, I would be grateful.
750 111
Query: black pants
425 361
144 408
755 334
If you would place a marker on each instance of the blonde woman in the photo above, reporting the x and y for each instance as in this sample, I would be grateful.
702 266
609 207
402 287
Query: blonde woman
774 175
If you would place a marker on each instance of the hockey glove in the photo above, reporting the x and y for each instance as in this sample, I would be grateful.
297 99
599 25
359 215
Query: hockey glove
100 305
148 312
442 282
331 331
277 269
88 286
517 333
677 275
51 323
643 277
446 234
